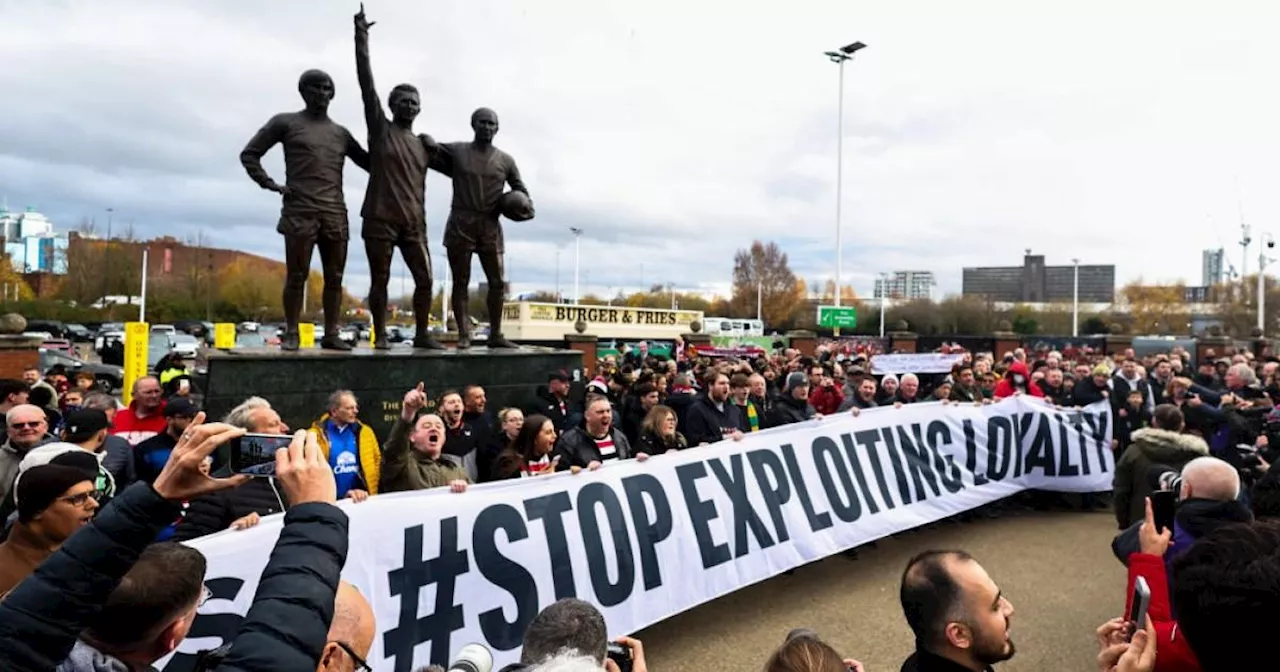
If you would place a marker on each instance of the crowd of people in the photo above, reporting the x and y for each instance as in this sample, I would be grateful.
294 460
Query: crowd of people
92 495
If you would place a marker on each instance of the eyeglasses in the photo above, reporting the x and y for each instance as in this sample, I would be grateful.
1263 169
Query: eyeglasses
22 425
82 498
361 665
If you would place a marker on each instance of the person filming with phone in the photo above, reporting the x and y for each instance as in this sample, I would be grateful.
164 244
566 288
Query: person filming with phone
243 507
1163 443
1208 499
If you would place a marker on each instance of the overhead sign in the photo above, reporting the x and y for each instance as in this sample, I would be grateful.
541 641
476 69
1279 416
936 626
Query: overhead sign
837 317
549 321
646 540
137 337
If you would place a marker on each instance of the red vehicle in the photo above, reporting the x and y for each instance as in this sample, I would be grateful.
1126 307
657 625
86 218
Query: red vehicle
61 345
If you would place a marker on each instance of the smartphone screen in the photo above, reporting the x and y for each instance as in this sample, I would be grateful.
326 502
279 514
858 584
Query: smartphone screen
1138 605
251 451
1163 506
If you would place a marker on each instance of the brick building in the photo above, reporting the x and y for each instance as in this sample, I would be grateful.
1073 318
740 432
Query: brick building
169 259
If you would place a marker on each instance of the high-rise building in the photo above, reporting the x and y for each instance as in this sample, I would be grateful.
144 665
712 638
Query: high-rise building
1034 282
1211 263
31 243
906 285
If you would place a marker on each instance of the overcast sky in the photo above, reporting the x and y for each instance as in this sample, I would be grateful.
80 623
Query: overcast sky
674 132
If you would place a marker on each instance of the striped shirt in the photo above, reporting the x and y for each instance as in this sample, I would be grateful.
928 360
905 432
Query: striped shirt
608 451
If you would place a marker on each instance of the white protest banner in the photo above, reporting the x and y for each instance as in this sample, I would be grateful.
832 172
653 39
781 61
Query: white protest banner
646 540
915 362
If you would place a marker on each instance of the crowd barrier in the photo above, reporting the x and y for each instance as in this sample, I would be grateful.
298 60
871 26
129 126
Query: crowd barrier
646 540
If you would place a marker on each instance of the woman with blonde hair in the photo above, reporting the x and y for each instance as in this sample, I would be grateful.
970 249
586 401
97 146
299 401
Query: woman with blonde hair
658 432
805 652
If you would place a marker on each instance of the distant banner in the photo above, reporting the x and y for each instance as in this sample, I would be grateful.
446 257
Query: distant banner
646 540
922 362
735 351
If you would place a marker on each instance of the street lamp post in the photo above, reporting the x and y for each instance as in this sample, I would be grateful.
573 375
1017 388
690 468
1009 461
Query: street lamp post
884 289
1075 299
839 57
142 302
1262 286
577 260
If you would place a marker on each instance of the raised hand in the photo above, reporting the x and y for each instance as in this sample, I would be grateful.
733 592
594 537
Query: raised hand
414 400
363 24
183 477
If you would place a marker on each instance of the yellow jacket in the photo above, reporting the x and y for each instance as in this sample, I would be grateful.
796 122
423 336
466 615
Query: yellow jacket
366 445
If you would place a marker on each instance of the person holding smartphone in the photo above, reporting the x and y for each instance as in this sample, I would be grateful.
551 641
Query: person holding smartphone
1174 653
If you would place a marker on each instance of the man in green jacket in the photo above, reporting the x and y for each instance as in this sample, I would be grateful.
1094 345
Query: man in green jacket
411 456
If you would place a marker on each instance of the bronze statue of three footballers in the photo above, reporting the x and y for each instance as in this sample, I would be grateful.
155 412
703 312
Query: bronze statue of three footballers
314 214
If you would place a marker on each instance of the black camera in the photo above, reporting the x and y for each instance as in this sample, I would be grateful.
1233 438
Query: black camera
620 654
1162 477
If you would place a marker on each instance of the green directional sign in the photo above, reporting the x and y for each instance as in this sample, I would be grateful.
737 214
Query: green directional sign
837 317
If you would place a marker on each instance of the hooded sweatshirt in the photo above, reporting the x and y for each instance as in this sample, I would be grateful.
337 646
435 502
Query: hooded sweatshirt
1007 386
85 658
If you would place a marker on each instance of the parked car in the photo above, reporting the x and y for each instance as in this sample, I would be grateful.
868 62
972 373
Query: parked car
78 333
110 378
61 345
54 328
185 344
164 328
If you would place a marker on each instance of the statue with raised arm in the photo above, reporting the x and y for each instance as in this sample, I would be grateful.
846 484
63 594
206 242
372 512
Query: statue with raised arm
314 213
394 209
480 173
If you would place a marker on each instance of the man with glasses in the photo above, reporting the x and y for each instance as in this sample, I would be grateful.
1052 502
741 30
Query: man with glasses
28 427
54 501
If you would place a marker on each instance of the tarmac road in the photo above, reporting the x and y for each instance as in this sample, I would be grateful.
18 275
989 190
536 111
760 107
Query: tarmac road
1056 568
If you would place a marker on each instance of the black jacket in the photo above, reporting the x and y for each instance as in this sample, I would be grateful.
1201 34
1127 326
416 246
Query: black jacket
41 617
288 623
789 410
707 424
1195 518
681 402
546 404
576 448
924 661
216 512
652 444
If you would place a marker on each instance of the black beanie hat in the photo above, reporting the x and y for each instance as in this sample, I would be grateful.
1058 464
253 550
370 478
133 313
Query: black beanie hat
38 487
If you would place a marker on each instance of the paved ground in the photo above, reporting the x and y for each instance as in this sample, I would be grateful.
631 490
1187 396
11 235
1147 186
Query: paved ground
1056 568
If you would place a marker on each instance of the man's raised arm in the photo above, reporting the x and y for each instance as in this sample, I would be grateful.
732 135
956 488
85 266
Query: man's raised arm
251 156
373 114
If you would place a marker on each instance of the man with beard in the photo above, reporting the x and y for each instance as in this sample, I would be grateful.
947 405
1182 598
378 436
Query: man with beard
958 614
713 417
394 209
966 385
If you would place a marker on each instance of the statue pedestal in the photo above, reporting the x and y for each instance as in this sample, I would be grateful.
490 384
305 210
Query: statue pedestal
298 384
18 353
